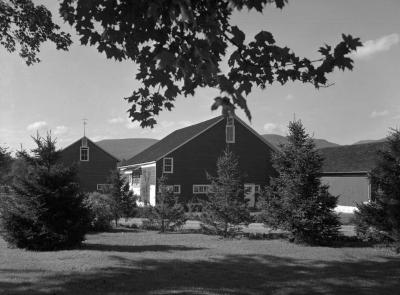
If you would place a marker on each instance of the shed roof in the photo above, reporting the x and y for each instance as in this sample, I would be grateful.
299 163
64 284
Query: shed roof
351 158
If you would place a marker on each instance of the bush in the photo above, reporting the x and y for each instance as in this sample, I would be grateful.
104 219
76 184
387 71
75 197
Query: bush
143 212
101 213
46 211
226 206
168 214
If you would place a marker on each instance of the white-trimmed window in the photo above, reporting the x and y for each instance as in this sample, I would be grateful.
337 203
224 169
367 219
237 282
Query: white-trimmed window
177 189
135 180
168 165
103 187
230 130
200 188
84 154
257 189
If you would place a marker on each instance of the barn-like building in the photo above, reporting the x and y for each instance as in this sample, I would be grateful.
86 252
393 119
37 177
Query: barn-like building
186 156
94 164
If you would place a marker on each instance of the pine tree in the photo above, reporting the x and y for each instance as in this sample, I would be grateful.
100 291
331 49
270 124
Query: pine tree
46 212
296 200
226 206
123 202
381 218
6 161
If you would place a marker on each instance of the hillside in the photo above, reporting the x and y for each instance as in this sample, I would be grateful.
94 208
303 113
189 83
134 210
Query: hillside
276 139
126 148
369 141
351 158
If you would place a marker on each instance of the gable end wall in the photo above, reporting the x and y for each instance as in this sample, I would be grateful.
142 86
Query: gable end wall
197 157
96 171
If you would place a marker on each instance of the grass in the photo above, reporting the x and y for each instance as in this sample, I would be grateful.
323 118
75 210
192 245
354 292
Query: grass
129 262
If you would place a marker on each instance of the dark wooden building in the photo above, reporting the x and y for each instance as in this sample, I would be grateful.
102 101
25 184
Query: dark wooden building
186 155
346 170
93 163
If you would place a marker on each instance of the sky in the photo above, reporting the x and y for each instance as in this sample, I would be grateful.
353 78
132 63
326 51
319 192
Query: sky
66 87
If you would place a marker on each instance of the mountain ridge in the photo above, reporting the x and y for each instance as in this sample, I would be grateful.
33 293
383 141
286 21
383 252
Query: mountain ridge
276 140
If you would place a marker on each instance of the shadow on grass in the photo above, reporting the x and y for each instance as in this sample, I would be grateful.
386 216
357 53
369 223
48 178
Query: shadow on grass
233 274
137 249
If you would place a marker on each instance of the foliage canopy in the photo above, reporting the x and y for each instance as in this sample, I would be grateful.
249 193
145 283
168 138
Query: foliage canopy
179 46
24 26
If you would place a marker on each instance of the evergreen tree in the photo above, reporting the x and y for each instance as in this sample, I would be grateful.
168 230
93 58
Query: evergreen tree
168 212
6 162
382 216
296 200
46 212
123 202
226 206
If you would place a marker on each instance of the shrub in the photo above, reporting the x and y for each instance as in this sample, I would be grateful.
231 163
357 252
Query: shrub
101 213
296 200
226 206
143 211
46 211
168 213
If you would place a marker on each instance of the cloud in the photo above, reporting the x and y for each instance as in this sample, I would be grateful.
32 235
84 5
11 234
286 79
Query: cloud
372 47
132 125
61 130
167 124
116 120
98 138
289 96
36 125
185 123
274 128
127 121
376 114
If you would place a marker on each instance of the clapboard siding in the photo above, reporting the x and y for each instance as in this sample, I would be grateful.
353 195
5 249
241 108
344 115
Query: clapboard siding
96 171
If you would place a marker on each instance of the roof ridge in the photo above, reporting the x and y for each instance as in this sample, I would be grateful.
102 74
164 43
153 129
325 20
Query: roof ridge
157 154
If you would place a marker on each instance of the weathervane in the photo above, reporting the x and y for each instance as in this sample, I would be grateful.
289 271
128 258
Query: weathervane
84 126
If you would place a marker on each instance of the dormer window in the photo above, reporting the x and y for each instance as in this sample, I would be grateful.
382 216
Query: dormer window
230 130
84 155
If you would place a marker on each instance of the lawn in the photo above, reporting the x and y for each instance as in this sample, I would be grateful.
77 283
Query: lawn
129 262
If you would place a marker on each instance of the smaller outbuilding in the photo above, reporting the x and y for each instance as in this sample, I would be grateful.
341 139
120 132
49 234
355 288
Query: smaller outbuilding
347 172
93 163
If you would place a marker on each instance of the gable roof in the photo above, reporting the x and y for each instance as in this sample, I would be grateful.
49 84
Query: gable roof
172 142
180 137
103 150
351 158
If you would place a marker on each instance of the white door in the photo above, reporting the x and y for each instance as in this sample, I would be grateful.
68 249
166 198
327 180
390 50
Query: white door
152 195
